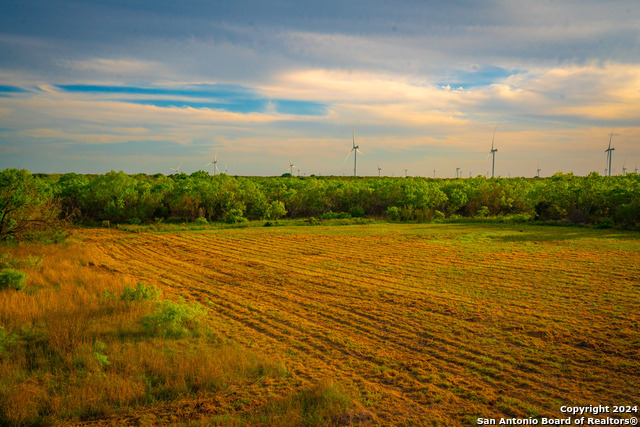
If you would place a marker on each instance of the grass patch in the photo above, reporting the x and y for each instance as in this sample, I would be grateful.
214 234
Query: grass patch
68 354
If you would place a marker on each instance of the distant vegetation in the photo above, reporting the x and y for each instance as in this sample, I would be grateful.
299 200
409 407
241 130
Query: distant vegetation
29 202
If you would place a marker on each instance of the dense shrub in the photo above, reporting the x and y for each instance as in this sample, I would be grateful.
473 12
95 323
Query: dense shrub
200 197
12 279
140 293
173 320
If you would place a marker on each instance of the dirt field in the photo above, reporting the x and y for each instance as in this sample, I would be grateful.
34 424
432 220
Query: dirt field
427 324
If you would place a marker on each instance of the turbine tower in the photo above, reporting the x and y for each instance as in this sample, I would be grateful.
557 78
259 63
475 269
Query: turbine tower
608 151
379 168
355 150
214 163
291 166
458 172
538 170
624 170
493 153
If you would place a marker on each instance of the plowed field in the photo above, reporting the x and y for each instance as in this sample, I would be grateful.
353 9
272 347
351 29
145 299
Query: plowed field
423 323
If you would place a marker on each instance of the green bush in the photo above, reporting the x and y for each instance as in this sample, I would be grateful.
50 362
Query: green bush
357 212
605 223
174 320
140 293
201 221
14 279
234 216
335 215
483 212
98 353
393 213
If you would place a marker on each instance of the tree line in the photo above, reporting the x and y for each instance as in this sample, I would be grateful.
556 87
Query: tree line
33 200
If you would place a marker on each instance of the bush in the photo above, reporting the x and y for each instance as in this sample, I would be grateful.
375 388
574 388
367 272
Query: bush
234 216
393 213
605 223
335 215
140 293
201 221
173 320
98 353
483 212
357 212
13 279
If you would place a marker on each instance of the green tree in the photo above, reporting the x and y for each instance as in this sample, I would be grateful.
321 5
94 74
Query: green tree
26 205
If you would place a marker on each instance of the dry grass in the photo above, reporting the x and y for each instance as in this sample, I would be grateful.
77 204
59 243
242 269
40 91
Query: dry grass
74 350
432 324
379 324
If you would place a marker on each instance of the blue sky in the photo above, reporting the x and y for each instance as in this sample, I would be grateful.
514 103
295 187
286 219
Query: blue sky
144 86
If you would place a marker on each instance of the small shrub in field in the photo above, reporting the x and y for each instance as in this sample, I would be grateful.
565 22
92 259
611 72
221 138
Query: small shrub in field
393 213
201 221
13 279
173 320
98 353
140 293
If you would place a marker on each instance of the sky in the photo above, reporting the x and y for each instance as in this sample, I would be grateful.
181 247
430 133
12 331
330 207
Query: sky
146 86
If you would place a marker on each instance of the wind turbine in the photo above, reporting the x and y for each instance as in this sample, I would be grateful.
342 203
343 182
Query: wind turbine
355 150
176 170
405 173
609 150
624 170
225 168
291 166
538 170
379 168
493 153
434 173
457 172
214 163
636 169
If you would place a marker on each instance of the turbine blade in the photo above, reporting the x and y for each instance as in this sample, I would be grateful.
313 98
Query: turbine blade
358 151
354 134
345 159
494 137
210 163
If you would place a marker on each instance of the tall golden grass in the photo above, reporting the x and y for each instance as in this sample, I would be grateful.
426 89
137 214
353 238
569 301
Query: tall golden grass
73 350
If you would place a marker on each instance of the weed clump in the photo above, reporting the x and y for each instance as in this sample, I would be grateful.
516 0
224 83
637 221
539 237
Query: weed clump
12 279
140 293
174 320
